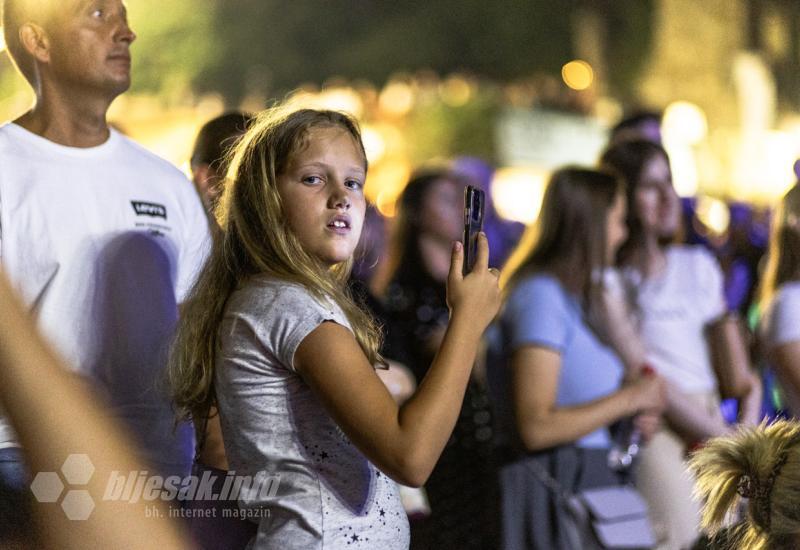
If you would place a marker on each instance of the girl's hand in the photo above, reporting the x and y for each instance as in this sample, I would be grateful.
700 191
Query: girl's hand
475 296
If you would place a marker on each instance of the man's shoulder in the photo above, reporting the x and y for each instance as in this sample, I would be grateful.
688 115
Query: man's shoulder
136 153
6 140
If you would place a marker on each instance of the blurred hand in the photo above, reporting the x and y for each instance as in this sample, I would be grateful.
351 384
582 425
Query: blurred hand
649 393
476 296
648 423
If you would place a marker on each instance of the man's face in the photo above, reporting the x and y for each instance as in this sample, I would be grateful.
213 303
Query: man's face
90 46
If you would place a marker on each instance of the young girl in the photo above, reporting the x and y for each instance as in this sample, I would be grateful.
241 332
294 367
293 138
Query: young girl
272 336
556 386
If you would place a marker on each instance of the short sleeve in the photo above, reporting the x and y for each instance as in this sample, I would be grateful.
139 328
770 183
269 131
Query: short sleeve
784 317
538 312
712 284
292 314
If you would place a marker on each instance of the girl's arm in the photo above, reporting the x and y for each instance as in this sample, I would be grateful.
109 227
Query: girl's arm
404 442
55 416
542 424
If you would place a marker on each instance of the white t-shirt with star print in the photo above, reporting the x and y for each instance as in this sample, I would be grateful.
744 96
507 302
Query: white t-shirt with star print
329 495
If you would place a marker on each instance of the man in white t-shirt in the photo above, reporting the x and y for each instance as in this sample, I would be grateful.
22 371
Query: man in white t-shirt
101 238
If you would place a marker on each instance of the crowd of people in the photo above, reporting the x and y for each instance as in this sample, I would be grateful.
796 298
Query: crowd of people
267 324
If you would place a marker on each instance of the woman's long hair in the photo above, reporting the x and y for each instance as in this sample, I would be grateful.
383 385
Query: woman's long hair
569 238
627 160
404 258
762 463
255 239
783 258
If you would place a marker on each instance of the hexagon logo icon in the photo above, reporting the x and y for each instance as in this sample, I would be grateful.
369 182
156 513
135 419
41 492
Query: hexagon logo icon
77 469
47 487
78 505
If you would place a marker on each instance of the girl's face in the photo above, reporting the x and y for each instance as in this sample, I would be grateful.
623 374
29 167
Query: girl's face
616 230
322 190
657 205
442 213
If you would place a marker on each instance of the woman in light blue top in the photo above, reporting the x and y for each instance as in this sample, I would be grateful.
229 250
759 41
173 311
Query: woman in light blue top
556 385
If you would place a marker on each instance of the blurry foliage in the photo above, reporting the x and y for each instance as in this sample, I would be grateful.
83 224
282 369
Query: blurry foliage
176 43
630 33
269 47
273 45
443 131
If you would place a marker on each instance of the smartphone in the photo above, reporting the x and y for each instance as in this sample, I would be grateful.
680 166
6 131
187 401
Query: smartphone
473 224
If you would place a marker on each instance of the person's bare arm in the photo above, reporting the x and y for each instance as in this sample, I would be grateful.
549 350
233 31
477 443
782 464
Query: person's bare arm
55 416
785 359
750 403
542 424
688 418
404 442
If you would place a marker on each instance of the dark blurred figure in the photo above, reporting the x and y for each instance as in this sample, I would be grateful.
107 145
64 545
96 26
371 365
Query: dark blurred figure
740 257
461 489
636 125
209 162
503 234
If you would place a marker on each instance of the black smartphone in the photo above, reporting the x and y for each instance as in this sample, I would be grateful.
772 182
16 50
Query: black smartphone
473 224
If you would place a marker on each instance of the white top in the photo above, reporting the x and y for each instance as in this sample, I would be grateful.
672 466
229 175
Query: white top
102 243
781 322
329 495
674 308
780 325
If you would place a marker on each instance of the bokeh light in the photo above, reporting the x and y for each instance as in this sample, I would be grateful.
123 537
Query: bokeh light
577 74
714 214
396 99
374 144
684 122
517 193
456 91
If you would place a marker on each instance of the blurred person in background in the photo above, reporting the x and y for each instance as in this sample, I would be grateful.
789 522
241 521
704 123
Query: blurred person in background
100 237
637 125
503 234
779 329
209 155
740 257
556 386
412 287
676 294
758 468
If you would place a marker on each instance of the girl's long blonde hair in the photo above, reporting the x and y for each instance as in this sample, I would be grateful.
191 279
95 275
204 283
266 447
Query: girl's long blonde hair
783 258
762 463
254 238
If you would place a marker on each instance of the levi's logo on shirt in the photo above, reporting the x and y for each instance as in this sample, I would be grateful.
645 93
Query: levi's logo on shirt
149 209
